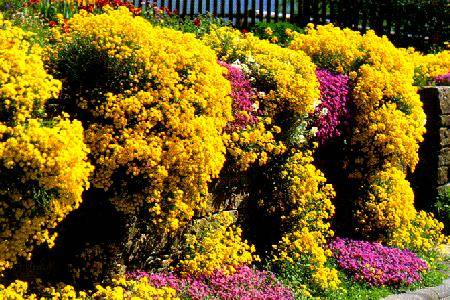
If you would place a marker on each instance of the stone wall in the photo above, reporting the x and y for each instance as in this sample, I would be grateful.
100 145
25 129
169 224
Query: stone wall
432 174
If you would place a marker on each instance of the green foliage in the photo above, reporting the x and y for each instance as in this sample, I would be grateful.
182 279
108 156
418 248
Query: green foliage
280 31
199 26
354 290
442 207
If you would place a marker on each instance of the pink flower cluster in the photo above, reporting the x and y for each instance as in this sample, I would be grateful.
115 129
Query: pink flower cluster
244 284
244 107
376 264
443 79
332 114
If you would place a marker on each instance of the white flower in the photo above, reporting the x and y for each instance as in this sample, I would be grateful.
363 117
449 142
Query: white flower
237 64
316 102
324 111
255 106
250 59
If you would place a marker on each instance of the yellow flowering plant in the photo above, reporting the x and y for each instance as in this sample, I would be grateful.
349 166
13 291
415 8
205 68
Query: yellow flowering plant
120 288
255 143
308 210
287 77
427 67
422 235
388 204
388 124
154 104
288 92
43 161
215 243
24 84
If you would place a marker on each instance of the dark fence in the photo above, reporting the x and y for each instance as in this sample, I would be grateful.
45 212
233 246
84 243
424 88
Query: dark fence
418 23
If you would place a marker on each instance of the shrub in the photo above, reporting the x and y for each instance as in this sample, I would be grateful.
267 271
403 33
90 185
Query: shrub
280 33
428 67
215 243
43 162
388 205
422 235
120 288
387 122
442 206
154 103
285 77
306 222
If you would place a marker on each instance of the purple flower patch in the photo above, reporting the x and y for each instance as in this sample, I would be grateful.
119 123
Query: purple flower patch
376 264
443 79
332 114
245 284
245 109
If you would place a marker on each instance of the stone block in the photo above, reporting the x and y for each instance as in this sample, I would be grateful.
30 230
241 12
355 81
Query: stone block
443 176
444 99
444 136
427 294
444 157
445 120
407 296
443 291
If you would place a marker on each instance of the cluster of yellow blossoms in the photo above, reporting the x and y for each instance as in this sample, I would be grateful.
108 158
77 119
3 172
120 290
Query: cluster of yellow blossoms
388 122
287 76
388 205
426 67
421 235
120 289
308 212
154 126
43 163
255 144
215 243
24 84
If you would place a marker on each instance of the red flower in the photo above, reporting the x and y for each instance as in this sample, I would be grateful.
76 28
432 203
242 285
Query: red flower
197 22
52 23
136 11
65 27
244 30
88 8
101 3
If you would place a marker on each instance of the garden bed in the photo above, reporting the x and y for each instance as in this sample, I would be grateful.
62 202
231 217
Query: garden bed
148 157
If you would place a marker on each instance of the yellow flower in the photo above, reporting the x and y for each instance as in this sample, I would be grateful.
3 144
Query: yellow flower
162 128
43 162
268 31
215 243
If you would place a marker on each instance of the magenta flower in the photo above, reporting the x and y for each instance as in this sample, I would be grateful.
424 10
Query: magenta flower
245 109
443 79
245 284
376 264
332 114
